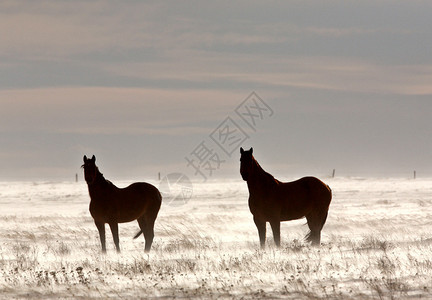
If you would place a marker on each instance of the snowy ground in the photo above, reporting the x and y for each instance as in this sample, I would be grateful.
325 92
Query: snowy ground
377 244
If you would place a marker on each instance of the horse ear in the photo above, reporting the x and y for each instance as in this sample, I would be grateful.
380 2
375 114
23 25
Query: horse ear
251 150
241 150
85 158
93 158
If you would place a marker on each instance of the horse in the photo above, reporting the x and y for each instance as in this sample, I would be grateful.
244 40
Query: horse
273 201
109 204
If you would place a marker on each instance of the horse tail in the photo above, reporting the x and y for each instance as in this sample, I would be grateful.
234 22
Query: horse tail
138 234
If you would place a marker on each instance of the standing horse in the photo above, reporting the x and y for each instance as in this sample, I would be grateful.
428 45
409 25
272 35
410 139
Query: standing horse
273 201
109 204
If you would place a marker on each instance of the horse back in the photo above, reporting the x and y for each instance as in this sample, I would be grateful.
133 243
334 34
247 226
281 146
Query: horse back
299 198
305 188
142 188
126 204
142 193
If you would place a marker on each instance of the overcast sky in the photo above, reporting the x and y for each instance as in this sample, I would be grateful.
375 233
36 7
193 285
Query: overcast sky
141 84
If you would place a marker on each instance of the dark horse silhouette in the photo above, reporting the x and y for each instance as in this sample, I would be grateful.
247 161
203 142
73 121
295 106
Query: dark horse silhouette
109 204
273 201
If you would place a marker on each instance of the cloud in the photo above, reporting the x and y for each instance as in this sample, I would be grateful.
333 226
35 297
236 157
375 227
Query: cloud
139 131
100 110
99 74
49 30
350 76
285 72
215 46
339 32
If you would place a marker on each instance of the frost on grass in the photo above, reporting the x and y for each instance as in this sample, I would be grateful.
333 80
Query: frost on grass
376 245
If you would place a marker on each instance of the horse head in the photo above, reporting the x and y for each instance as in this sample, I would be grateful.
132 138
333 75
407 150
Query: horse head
246 163
90 169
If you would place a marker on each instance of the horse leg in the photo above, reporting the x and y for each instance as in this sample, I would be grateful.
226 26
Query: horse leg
101 228
147 227
275 225
114 231
314 237
261 225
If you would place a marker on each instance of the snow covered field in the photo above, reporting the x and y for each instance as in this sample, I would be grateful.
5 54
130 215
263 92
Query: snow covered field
376 244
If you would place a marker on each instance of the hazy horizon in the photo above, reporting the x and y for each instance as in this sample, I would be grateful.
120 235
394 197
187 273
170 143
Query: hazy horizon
141 85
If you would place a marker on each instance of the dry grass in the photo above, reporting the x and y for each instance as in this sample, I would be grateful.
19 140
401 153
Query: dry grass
196 267
214 254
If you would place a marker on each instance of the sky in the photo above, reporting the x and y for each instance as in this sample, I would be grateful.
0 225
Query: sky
155 86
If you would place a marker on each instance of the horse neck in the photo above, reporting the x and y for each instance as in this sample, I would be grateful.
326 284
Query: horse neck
99 182
260 177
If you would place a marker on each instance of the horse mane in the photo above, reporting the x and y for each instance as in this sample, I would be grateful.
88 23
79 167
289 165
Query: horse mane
100 177
266 175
